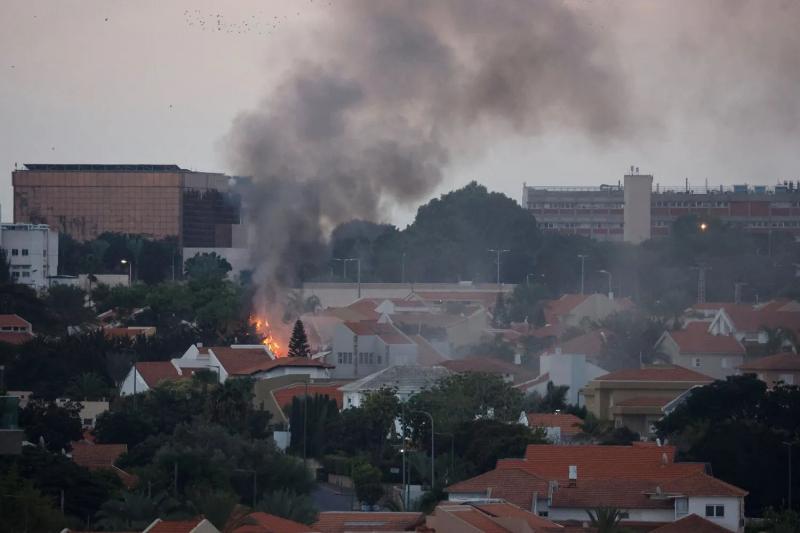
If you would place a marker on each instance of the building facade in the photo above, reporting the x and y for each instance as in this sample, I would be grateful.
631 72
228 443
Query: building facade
633 211
31 252
199 209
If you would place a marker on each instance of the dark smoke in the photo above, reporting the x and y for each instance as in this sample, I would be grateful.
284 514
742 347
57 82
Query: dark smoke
396 88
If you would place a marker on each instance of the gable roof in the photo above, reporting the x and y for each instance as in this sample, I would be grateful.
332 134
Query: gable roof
620 493
695 339
656 373
555 310
388 333
15 337
568 423
267 523
242 361
693 523
155 372
340 522
13 321
783 361
590 344
749 319
504 510
177 526
87 454
514 485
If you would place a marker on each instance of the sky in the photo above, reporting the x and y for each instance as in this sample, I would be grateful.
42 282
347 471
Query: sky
708 89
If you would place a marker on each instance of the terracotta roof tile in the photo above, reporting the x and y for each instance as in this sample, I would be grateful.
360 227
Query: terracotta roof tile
554 310
783 361
340 522
568 423
695 339
13 321
515 485
266 523
480 521
86 454
387 332
155 372
751 320
656 373
692 523
591 344
242 361
175 526
701 484
509 510
620 493
284 396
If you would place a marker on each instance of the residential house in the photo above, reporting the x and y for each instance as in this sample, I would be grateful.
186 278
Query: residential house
90 410
130 332
697 348
693 523
573 310
102 457
751 325
345 522
558 427
146 375
15 330
562 483
194 525
571 370
406 380
491 516
782 367
511 373
362 348
267 523
635 397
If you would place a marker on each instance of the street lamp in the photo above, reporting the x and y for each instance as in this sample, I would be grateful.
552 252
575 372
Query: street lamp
344 261
607 273
582 257
498 251
703 226
126 262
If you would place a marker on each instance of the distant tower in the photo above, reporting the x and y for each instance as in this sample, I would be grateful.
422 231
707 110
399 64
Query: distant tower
638 189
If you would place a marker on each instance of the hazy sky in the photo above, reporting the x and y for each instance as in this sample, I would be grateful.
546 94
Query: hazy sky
711 88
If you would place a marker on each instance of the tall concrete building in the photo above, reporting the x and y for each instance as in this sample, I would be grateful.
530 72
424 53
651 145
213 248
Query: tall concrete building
636 209
199 209
31 252
624 211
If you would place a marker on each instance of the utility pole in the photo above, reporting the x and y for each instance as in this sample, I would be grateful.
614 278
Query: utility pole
498 251
344 267
403 267
582 257
701 282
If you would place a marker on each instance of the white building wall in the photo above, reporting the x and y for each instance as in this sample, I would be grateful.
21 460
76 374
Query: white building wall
733 511
634 515
32 253
638 189
571 370
127 388
310 371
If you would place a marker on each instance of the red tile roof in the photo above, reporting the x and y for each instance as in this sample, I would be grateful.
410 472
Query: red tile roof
695 339
751 320
784 361
701 484
527 385
174 526
656 373
242 361
284 396
13 321
568 423
479 521
386 332
155 372
514 485
266 523
503 510
485 298
591 344
555 310
644 401
489 365
15 337
620 493
86 454
692 523
340 522
130 333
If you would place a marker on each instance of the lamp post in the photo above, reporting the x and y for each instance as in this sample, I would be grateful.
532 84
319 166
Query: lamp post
126 262
582 257
498 251
607 273
433 454
344 266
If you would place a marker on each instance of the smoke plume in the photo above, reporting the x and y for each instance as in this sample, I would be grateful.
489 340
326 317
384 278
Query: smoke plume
395 90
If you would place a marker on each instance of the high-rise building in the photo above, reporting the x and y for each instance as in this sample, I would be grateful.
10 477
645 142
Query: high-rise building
635 210
199 209
31 252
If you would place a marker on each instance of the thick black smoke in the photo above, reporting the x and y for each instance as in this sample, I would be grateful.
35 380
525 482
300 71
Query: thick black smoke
396 89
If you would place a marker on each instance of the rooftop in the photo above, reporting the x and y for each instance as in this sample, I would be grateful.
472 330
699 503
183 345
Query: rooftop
155 372
693 523
568 423
783 361
341 522
400 376
672 373
695 339
284 395
13 321
242 361
489 365
102 168
388 333
266 523
515 485
87 454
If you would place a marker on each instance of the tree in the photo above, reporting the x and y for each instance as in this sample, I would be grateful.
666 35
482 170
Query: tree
482 442
782 521
290 505
322 413
24 508
68 304
298 344
88 386
207 266
58 425
605 519
135 510
367 481
555 399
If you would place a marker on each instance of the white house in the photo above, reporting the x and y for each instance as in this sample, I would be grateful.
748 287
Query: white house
31 251
563 369
146 375
717 356
362 348
406 380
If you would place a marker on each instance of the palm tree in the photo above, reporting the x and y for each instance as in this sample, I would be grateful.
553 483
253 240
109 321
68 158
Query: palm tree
606 519
135 511
290 505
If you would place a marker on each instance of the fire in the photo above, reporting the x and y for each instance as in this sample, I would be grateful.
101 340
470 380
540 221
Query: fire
264 330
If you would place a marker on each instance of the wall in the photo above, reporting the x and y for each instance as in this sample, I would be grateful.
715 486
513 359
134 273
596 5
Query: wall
715 366
733 511
637 515
569 369
39 244
127 387
637 208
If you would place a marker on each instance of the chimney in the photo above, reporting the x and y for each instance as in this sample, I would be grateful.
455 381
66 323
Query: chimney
573 475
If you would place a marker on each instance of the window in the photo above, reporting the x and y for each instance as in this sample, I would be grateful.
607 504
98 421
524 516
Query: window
379 359
340 358
697 362
681 506
715 510
624 515
24 251
349 358
543 513
14 251
26 274
15 275
371 358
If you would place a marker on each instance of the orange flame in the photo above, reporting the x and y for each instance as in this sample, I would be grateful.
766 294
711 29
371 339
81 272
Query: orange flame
264 330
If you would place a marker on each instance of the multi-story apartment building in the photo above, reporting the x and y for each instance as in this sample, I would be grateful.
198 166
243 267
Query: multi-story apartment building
199 209
31 252
608 213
